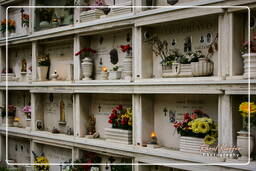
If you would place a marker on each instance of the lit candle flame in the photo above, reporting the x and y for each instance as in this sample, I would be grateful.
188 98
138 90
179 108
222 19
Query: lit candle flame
104 69
153 134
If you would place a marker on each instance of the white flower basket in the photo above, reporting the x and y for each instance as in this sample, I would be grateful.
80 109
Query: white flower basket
204 67
42 72
90 15
115 75
252 65
177 70
118 135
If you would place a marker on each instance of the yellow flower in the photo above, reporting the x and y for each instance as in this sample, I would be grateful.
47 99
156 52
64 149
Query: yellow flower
209 140
246 108
203 127
194 126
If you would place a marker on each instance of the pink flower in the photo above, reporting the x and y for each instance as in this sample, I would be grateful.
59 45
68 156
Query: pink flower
27 109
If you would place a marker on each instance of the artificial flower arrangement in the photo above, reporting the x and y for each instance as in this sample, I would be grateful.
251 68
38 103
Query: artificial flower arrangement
121 118
248 109
8 71
88 160
25 20
11 25
198 125
87 52
27 111
11 111
44 61
41 162
126 48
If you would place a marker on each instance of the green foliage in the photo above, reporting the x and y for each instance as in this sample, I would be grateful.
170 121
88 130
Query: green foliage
2 168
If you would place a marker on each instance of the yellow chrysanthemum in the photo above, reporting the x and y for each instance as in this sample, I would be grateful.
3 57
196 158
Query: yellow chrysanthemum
194 127
246 108
209 140
203 127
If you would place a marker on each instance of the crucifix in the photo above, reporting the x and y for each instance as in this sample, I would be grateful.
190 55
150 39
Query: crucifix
99 107
165 111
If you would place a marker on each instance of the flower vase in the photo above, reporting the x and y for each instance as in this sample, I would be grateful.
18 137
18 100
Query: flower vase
252 66
28 124
118 135
243 141
204 67
87 68
191 144
166 70
127 66
42 73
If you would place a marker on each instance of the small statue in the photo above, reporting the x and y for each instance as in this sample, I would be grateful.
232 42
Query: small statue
70 131
91 128
23 66
62 111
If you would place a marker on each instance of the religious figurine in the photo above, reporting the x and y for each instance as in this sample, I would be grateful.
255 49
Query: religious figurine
91 130
70 131
23 66
62 112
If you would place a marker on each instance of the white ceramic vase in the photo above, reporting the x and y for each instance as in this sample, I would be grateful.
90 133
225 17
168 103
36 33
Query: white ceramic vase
127 66
252 65
204 67
87 68
42 72
177 70
115 75
243 142
118 135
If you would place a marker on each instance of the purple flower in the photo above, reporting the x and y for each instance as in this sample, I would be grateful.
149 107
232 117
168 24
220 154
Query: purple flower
27 109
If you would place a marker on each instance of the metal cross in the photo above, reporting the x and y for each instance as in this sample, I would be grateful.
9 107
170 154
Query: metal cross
165 111
99 107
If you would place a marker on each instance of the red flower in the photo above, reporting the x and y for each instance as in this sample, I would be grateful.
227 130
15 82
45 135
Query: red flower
125 48
119 107
85 50
110 121
193 116
186 116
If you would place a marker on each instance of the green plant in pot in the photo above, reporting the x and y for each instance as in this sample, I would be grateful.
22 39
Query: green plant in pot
8 114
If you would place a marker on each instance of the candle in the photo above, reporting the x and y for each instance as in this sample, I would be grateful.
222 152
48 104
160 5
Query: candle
104 69
153 138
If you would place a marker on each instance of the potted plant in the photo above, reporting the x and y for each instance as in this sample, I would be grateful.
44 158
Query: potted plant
43 67
27 112
11 26
127 65
87 64
200 64
121 122
41 162
196 130
247 109
8 114
114 74
245 54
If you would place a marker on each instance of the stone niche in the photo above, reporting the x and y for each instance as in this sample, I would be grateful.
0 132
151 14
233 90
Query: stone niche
185 36
61 58
52 115
54 154
162 110
20 99
19 61
101 106
104 44
18 150
106 159
15 14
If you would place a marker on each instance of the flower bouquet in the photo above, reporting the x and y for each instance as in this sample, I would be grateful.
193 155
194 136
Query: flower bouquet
43 67
25 20
196 129
11 25
121 121
10 112
27 111
127 63
41 162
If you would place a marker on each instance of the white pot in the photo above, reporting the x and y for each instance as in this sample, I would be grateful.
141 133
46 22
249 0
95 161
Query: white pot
118 135
127 67
42 72
204 67
115 75
178 70
9 121
87 68
192 145
252 65
243 146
